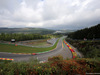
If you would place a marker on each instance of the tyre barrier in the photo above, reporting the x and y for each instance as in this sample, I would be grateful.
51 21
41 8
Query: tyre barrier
6 59
72 51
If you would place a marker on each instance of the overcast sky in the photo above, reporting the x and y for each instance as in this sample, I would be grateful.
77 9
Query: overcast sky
54 14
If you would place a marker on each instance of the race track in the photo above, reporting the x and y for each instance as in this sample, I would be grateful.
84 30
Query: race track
60 50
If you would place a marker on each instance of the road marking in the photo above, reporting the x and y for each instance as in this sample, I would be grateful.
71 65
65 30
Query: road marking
72 51
62 45
6 59
70 48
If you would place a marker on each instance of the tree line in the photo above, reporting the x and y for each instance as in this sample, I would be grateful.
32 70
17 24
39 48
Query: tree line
88 33
21 37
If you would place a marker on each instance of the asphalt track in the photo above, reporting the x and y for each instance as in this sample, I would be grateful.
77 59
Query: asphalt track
60 50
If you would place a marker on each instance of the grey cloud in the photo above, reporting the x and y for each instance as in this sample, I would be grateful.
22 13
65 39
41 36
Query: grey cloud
10 5
32 3
66 14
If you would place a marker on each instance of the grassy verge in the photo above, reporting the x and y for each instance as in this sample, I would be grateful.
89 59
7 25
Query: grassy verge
5 61
24 49
55 66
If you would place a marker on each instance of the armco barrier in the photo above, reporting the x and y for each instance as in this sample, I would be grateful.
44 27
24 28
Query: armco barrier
6 59
73 52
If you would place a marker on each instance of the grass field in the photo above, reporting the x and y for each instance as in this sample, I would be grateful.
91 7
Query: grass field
24 49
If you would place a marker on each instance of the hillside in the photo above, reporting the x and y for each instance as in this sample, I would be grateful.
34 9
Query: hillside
88 33
26 30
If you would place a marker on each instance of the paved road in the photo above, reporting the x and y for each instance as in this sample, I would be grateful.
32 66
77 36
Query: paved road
65 52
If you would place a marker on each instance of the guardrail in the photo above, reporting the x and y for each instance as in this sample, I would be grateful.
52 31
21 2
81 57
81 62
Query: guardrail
51 41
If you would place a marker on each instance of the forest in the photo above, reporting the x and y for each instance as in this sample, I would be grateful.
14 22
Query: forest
27 30
21 37
87 33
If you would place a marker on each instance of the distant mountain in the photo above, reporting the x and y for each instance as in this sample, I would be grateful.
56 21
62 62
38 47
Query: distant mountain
88 33
26 30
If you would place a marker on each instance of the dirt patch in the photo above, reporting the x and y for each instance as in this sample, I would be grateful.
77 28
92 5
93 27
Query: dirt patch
36 42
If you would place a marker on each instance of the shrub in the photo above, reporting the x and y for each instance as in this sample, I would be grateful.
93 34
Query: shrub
55 66
90 49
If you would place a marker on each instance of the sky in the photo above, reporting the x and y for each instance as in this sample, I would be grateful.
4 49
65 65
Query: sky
53 14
